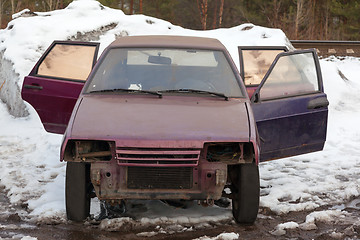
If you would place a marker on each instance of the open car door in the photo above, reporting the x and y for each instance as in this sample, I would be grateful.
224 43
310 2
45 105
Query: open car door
290 106
54 84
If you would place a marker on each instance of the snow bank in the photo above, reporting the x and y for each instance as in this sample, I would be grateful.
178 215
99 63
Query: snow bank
9 89
29 35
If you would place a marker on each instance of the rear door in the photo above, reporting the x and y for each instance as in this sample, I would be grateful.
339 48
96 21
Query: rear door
54 84
290 106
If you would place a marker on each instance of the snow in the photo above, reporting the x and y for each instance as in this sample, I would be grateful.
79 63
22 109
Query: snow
321 216
281 228
222 236
326 216
28 238
21 237
32 174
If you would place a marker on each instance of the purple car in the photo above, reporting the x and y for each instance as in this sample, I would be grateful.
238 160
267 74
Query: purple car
170 117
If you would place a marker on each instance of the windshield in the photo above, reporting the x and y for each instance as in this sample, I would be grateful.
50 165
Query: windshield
165 69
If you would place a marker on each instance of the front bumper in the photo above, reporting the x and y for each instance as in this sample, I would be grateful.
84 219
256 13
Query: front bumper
113 181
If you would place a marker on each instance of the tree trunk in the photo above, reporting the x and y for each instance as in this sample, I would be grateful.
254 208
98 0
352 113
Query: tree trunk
141 6
202 5
131 7
276 7
12 6
327 20
122 5
1 11
215 14
299 12
312 31
221 11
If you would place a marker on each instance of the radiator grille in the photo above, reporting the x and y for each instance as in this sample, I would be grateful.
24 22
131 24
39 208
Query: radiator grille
159 178
157 157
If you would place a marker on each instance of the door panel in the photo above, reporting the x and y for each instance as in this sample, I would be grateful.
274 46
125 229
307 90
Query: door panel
54 84
287 127
290 106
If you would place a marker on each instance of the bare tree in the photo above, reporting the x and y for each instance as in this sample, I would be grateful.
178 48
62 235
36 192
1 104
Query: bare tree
221 11
12 6
1 11
327 20
276 22
299 17
203 7
215 14
131 7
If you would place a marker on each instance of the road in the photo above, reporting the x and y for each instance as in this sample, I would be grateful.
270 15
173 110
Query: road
347 226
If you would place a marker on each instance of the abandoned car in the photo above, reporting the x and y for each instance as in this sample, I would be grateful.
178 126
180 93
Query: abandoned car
171 117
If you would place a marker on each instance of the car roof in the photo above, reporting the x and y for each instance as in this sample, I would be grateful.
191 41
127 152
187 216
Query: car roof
168 42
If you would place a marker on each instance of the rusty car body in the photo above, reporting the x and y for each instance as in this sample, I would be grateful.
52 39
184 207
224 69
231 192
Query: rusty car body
169 117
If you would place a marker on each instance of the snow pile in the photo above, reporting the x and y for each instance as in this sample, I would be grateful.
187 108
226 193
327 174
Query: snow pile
26 38
30 164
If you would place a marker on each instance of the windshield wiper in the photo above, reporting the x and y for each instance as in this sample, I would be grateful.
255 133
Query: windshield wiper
187 90
127 90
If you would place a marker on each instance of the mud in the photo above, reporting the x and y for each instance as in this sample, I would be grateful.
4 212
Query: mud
345 227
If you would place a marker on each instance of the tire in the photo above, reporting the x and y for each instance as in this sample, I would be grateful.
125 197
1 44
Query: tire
77 191
246 194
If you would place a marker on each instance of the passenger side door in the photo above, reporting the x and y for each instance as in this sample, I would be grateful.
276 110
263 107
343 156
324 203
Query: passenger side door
54 84
290 106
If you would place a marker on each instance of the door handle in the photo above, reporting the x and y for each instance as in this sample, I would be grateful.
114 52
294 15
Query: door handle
316 103
33 87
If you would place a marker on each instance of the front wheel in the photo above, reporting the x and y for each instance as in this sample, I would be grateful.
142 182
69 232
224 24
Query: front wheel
246 194
77 191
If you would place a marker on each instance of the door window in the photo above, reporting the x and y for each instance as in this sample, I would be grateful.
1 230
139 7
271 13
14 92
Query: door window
292 75
68 62
256 64
256 61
